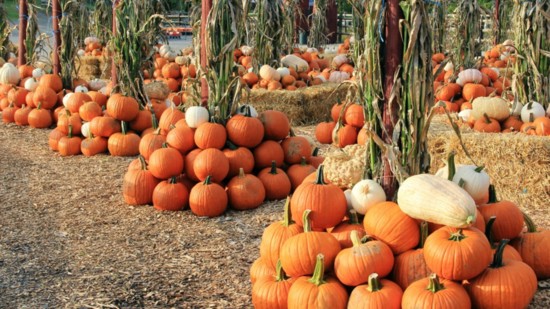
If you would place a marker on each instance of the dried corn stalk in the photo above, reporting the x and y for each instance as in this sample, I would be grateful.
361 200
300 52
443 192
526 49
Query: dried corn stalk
438 24
73 33
318 36
532 38
101 20
291 11
5 31
268 27
223 31
467 40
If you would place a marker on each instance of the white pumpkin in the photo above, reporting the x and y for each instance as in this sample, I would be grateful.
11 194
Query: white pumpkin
476 181
312 50
459 82
338 60
293 61
365 194
338 76
31 84
444 171
241 110
269 73
90 40
532 111
470 76
9 74
283 71
494 107
437 200
347 193
81 53
81 88
516 108
66 98
247 50
103 90
321 77
465 114
85 130
37 73
96 84
449 66
196 115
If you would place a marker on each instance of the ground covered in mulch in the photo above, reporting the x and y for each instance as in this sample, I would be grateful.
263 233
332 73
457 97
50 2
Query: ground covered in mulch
68 240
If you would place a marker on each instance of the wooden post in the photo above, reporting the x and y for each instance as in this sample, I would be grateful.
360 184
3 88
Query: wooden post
23 18
113 66
496 22
56 15
332 21
206 7
393 56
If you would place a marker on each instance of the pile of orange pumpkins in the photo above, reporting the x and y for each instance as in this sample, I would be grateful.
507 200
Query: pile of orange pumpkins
436 248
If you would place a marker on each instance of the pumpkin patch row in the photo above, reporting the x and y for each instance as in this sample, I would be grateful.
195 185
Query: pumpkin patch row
430 247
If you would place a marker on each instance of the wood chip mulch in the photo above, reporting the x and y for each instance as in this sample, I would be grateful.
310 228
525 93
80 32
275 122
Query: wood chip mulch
68 240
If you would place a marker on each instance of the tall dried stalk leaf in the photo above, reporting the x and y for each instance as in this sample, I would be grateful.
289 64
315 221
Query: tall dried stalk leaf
291 13
5 30
72 32
101 20
268 27
467 40
318 35
438 20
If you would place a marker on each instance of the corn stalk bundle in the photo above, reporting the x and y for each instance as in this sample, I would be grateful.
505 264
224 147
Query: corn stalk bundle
438 24
291 12
5 31
367 16
32 34
101 20
532 38
137 31
318 30
467 40
269 25
503 24
73 31
223 33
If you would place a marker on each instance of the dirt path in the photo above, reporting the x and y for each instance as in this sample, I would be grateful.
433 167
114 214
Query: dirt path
67 240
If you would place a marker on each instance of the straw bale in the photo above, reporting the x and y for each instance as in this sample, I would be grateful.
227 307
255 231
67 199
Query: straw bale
303 106
91 67
519 164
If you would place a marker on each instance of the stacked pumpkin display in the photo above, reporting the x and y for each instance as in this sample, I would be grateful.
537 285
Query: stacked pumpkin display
346 127
92 47
297 70
428 249
210 166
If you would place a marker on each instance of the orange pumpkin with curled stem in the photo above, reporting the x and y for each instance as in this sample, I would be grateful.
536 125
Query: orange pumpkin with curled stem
121 107
487 125
245 191
294 148
410 265
165 163
432 292
317 291
211 162
267 152
276 125
207 199
138 185
510 219
244 130
509 252
93 145
377 294
342 232
276 182
210 135
170 195
276 234
67 119
533 246
299 252
516 282
298 172
125 143
69 145
271 292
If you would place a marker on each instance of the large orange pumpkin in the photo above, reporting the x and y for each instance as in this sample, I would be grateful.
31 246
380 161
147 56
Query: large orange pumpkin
432 293
138 185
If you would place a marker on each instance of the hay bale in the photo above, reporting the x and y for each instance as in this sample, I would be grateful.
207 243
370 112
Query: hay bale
303 106
91 67
519 164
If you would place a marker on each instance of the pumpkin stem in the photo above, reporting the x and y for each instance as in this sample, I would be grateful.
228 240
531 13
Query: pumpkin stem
471 219
489 230
424 231
353 218
492 195
306 222
451 166
531 117
241 172
70 135
303 161
124 127
39 106
142 162
247 111
207 181
458 236
487 120
173 180
434 285
154 120
279 272
287 216
354 237
273 170
165 145
374 283
479 169
292 133
230 145
315 152
461 183
531 226
319 272
497 258
320 178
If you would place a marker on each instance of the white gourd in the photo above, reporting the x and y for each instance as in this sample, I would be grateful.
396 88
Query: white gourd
269 73
516 108
9 74
241 110
338 76
81 88
66 98
365 194
96 84
532 111
338 60
437 200
465 114
85 129
470 76
37 73
476 181
293 61
31 84
283 71
196 115
347 193
495 107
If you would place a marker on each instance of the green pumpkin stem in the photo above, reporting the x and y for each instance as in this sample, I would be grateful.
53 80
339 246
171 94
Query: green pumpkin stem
451 166
531 226
70 135
489 230
247 111
39 106
306 222
287 215
142 162
487 119
273 170
374 283
461 183
531 117
320 178
424 231
207 181
497 258
279 272
230 145
458 236
241 172
479 168
315 152
319 272
165 145
173 180
354 237
353 217
434 285
492 195
154 120
303 161
124 127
